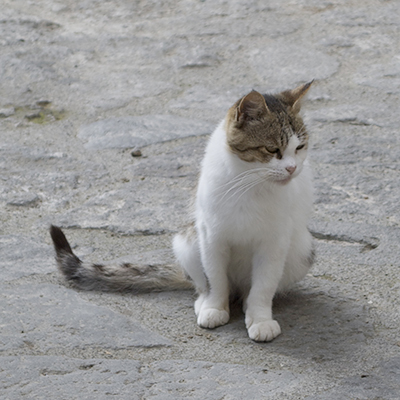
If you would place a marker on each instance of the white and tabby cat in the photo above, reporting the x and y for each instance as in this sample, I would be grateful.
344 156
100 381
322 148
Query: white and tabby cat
248 231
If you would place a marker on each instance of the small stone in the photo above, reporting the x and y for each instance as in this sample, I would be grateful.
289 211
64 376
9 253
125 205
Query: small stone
136 153
43 103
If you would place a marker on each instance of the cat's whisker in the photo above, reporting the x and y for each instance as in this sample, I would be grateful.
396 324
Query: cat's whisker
233 190
234 184
240 177
237 182
245 187
255 183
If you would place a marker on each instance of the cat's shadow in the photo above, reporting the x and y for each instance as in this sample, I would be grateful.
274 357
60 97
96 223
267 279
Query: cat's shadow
315 325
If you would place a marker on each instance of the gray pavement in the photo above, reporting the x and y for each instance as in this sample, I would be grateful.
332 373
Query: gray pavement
82 84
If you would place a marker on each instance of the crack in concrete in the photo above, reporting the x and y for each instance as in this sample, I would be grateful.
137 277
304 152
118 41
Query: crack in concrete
369 243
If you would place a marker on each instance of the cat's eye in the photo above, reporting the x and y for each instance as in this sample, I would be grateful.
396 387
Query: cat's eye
275 151
272 151
300 147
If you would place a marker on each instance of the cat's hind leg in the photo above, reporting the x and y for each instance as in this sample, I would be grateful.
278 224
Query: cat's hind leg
299 259
187 253
209 312
213 308
206 264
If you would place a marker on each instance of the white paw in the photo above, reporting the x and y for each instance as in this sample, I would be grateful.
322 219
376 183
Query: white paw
211 318
264 331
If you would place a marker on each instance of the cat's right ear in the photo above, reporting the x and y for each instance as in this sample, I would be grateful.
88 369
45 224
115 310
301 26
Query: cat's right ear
293 97
252 106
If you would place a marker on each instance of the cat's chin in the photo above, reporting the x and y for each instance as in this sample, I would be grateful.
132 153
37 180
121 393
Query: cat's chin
284 181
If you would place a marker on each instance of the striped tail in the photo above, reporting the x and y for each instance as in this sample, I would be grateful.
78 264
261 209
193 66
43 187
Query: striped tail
121 278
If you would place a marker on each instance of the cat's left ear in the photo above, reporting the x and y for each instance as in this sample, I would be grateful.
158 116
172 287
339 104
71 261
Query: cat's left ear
252 106
293 97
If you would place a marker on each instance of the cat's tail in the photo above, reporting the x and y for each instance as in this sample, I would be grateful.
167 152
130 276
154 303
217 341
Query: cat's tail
122 278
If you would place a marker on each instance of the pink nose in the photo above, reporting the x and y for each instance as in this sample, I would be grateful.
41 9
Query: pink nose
291 169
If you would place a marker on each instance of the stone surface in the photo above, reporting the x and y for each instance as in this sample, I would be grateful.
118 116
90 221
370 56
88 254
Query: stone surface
139 131
302 63
368 386
83 84
22 256
75 323
127 379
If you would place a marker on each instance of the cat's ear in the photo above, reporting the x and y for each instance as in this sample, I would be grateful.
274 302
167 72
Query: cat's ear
293 97
252 106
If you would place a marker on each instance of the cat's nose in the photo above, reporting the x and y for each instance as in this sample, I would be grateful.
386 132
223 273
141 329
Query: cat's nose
291 169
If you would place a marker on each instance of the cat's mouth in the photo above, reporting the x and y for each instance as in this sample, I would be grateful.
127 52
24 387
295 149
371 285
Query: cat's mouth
284 181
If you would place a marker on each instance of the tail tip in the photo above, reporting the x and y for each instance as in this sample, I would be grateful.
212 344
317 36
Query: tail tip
59 240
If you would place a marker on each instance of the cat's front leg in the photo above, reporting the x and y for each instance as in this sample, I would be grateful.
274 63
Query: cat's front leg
261 328
266 273
212 308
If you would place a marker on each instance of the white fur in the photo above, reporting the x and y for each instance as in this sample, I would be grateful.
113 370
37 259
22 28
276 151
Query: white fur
251 221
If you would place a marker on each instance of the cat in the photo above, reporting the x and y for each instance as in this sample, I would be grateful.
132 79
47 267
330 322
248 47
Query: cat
247 233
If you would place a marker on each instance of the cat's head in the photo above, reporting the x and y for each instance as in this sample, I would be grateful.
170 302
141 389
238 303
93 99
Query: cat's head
268 129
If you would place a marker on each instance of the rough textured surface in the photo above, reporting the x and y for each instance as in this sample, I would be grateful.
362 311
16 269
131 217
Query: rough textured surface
131 132
83 84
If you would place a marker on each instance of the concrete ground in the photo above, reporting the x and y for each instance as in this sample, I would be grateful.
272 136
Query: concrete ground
82 84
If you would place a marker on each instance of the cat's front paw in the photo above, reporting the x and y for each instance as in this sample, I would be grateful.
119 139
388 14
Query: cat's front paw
264 331
212 317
